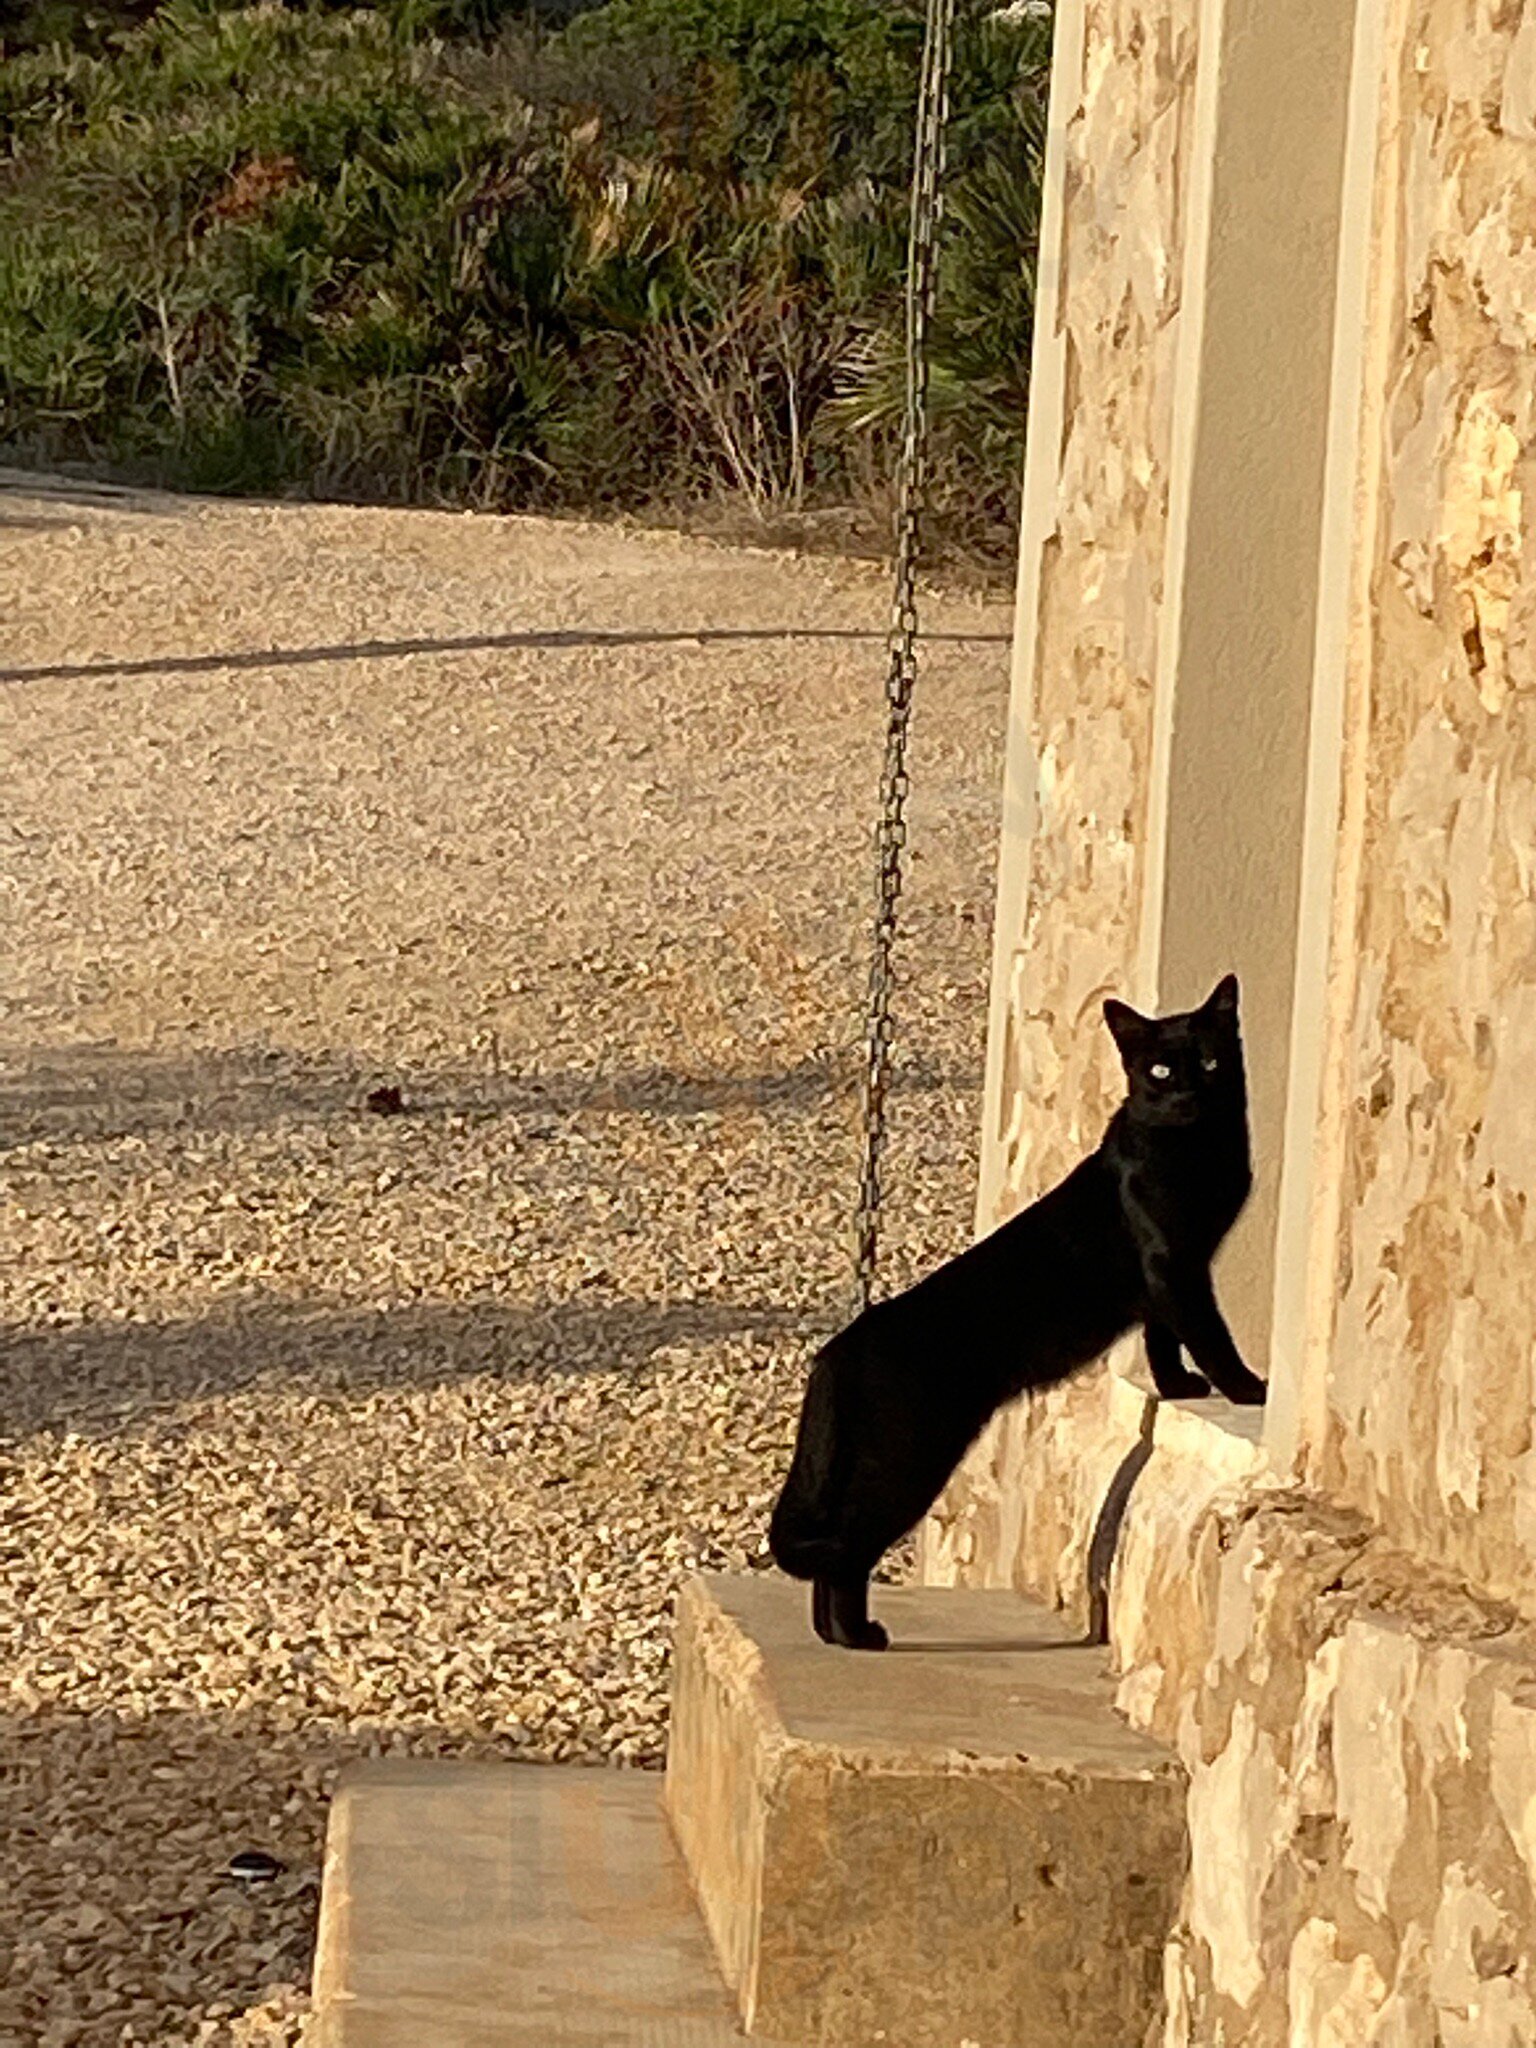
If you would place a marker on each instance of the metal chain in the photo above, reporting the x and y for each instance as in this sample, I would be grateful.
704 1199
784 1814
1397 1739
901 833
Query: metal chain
927 212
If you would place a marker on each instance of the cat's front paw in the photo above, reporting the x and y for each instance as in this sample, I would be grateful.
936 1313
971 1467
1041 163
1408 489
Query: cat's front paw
1249 1392
1184 1386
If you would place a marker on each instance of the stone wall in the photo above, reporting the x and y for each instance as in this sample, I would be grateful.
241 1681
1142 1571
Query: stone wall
1429 1399
1350 1673
1341 1645
1361 1742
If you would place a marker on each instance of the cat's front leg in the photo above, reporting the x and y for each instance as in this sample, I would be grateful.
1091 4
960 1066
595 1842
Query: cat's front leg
1172 1378
1186 1302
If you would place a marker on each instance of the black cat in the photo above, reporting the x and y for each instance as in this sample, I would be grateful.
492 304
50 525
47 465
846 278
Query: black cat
895 1400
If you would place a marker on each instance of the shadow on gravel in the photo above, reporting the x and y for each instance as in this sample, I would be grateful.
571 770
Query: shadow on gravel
83 491
107 1379
467 643
21 522
98 1092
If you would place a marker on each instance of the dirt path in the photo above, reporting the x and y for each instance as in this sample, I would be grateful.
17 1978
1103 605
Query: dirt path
323 1431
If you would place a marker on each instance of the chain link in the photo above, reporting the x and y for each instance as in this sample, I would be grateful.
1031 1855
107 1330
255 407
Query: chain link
927 212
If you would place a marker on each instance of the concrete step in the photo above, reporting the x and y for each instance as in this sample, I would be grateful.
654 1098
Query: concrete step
956 1841
510 1906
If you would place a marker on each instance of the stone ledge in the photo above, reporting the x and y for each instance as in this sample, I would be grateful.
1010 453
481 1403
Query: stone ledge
1226 1439
1068 1451
1207 1460
957 1840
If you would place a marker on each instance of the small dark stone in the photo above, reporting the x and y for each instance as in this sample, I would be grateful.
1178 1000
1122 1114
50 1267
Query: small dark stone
386 1101
254 1866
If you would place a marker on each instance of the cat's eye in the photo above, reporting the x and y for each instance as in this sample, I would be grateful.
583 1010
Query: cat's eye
1210 1066
1158 1071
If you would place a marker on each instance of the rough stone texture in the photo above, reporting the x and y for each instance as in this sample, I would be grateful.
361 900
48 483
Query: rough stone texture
1190 1466
1362 1756
1358 1731
1362 1742
960 1839
509 1906
1090 712
1163 1589
1100 582
1023 1508
1435 1254
1054 1498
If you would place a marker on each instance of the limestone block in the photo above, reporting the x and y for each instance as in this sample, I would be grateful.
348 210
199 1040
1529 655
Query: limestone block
1362 1757
474 1905
959 1840
1034 1508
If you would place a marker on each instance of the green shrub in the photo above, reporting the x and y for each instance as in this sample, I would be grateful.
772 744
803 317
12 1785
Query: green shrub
651 254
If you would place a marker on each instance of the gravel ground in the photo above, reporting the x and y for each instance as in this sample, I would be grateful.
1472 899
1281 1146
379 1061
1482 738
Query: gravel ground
326 1433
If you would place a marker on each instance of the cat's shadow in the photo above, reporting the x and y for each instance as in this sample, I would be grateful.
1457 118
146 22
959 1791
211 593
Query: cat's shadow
991 1647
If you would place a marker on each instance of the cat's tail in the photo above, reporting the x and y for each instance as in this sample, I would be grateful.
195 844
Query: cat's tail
799 1540
802 1533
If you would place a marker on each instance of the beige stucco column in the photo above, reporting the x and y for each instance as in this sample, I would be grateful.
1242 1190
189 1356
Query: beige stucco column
1316 1087
1233 699
1215 574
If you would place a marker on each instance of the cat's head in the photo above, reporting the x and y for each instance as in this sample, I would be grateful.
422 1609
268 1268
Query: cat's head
1184 1068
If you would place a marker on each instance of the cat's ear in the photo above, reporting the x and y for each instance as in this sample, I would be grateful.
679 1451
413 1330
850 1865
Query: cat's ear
1127 1027
1222 1000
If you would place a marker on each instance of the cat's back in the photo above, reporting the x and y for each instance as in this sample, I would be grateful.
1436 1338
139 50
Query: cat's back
1042 1261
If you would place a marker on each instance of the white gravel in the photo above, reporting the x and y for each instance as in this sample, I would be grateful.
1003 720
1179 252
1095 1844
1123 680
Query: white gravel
324 1433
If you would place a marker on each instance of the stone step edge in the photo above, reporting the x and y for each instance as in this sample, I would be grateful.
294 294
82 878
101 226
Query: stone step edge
733 1661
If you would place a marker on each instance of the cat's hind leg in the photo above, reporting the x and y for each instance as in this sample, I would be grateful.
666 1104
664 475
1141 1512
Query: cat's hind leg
801 1528
821 1609
840 1611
